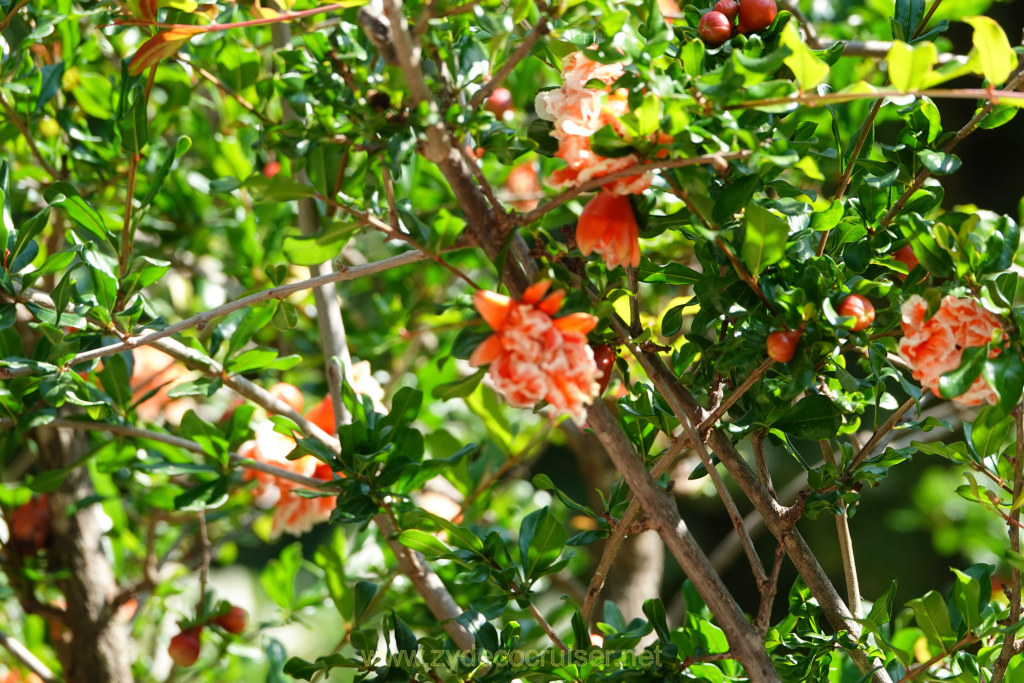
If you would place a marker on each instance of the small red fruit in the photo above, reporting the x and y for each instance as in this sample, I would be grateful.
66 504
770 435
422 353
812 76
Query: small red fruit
714 28
757 14
499 102
271 169
860 308
604 356
729 8
184 647
233 621
30 526
906 255
782 345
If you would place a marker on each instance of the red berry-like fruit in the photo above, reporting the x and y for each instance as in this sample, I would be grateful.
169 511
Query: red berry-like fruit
184 647
782 345
30 526
271 169
757 14
499 102
604 356
714 28
906 255
233 621
860 308
727 7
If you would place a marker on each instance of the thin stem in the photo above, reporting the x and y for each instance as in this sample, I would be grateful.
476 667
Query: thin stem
718 412
1010 647
485 186
177 441
765 475
879 434
619 532
283 17
201 320
768 590
814 99
126 225
25 656
845 543
730 505
204 566
217 83
547 628
13 117
744 275
915 671
583 188
521 52
11 12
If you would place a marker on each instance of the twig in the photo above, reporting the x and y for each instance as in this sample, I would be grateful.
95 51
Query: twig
752 379
217 83
757 444
744 275
521 52
730 505
11 12
25 656
845 543
915 671
178 442
204 566
583 188
485 186
1010 647
768 590
201 320
547 627
621 529
13 117
879 434
280 18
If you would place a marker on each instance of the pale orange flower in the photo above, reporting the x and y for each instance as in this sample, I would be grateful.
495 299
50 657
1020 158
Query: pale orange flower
154 369
608 226
535 357
935 346
293 513
578 112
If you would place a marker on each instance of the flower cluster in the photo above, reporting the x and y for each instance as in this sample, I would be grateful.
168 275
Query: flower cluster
578 112
935 346
293 513
535 357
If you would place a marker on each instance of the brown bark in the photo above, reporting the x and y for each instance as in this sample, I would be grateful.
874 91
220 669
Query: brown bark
94 648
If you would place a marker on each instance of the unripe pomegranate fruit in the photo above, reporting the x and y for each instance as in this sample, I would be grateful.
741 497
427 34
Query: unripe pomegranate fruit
604 356
730 8
782 345
906 255
233 621
184 647
860 308
499 102
714 28
757 14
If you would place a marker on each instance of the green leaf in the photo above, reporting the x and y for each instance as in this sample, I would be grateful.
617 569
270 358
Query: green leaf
957 382
764 241
910 64
65 195
808 69
997 58
364 594
939 163
812 417
422 542
541 540
933 618
252 359
829 218
1005 374
321 247
460 388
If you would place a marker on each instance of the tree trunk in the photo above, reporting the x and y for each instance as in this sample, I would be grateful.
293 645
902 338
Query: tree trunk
94 647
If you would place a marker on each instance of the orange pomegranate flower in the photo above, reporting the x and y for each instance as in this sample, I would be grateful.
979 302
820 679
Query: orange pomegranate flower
608 226
935 346
534 357
578 112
